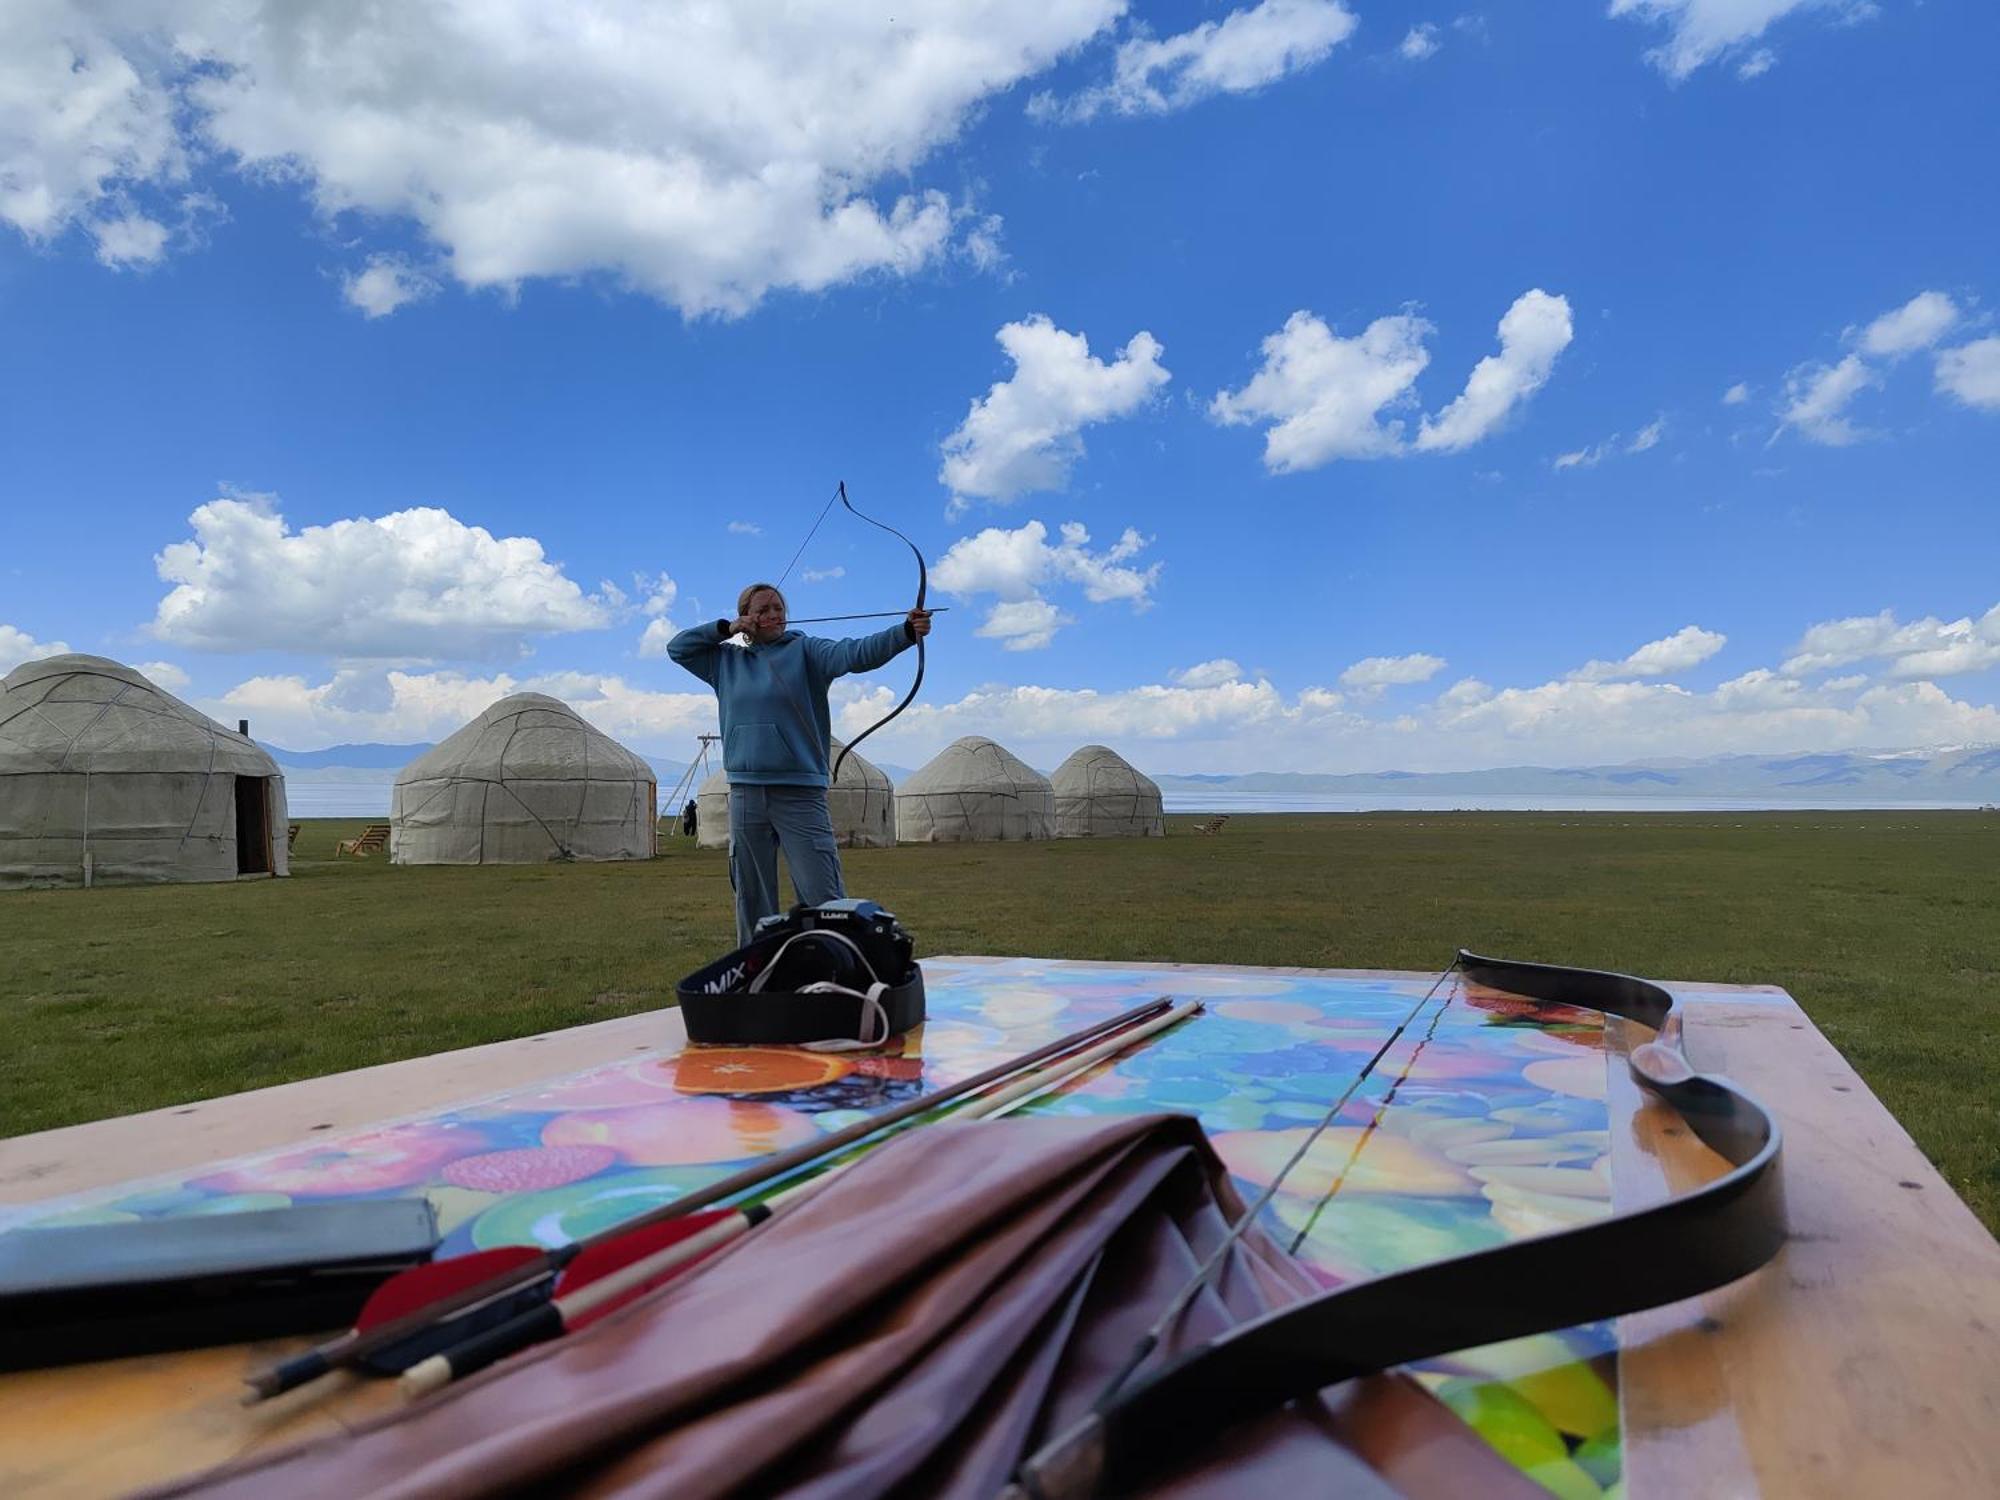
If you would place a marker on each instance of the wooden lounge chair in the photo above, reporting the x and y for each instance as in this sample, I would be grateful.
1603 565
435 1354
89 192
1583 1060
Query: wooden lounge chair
375 836
1212 825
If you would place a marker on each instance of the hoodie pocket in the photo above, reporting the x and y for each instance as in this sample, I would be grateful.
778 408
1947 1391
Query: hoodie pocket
756 748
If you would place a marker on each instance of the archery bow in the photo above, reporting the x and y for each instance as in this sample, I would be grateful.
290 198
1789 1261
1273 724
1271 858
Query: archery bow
923 587
1635 1260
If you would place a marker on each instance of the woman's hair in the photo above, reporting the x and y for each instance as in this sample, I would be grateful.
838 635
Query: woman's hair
743 599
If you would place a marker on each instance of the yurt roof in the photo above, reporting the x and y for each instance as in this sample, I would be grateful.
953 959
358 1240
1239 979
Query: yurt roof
1098 769
530 737
973 761
88 713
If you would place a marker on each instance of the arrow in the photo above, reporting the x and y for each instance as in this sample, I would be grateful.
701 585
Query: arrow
876 614
407 1318
607 1277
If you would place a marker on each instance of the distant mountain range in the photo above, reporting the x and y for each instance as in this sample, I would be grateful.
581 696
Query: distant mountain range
1958 773
1961 773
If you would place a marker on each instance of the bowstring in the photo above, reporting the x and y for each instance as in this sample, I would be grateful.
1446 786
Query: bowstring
809 536
1205 1274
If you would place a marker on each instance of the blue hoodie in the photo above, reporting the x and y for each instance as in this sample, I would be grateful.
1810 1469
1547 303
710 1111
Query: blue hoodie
772 698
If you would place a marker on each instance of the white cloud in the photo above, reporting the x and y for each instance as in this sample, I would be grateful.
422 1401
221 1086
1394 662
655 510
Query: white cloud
1702 31
1323 394
703 155
1419 42
1924 648
1242 52
1817 397
84 122
1687 647
654 638
1971 373
1737 394
1235 725
744 528
17 646
1917 324
1208 673
1532 333
387 283
1024 624
1586 458
1648 436
414 584
1017 565
657 593
821 575
164 673
1372 674
1025 432
399 707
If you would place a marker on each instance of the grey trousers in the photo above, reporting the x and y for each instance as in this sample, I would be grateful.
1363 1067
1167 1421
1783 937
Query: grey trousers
764 819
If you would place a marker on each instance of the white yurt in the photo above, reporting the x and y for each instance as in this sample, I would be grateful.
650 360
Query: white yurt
974 791
107 779
526 781
1099 795
861 803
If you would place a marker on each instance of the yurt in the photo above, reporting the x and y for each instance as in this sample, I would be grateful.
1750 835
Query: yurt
861 803
1098 795
974 791
107 779
526 781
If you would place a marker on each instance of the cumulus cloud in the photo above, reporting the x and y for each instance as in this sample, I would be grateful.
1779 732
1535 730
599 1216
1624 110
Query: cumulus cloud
1023 624
1018 565
654 638
706 156
85 122
1737 394
399 707
1025 432
164 673
1208 673
17 646
387 283
1419 42
1971 373
1325 396
414 584
1703 31
1532 333
1244 51
1234 725
1687 647
1924 648
1917 324
1369 676
1817 397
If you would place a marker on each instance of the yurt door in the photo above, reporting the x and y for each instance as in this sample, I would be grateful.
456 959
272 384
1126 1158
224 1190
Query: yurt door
253 826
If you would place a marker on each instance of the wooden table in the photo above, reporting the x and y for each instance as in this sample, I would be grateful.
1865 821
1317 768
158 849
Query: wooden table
1863 1362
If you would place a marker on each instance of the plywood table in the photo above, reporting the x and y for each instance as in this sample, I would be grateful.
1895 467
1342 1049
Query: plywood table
1862 1362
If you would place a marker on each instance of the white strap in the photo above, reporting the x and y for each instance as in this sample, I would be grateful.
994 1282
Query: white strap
874 1015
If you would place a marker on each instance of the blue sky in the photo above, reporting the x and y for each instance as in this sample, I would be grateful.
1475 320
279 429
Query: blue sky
1294 385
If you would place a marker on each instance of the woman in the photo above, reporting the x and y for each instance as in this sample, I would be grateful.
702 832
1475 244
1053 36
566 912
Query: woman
770 687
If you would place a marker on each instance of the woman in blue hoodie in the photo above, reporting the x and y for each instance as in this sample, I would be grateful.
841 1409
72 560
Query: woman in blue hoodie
770 688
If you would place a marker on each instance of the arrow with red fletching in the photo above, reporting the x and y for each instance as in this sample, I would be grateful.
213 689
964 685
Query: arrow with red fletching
610 1274
436 1306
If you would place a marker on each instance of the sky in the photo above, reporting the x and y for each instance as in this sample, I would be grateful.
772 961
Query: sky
1309 385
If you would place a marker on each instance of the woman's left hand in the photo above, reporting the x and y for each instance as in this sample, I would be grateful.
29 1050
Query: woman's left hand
919 623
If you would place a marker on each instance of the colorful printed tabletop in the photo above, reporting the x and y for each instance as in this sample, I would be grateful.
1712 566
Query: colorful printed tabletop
1485 1119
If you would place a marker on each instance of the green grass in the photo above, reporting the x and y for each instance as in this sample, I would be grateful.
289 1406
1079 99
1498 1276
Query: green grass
1885 926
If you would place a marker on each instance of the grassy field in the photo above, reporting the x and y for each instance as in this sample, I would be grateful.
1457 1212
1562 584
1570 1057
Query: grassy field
1885 926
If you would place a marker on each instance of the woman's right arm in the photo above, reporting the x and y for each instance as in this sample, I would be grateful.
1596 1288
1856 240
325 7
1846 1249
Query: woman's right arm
695 648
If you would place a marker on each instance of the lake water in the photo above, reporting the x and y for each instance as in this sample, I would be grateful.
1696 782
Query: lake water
334 800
